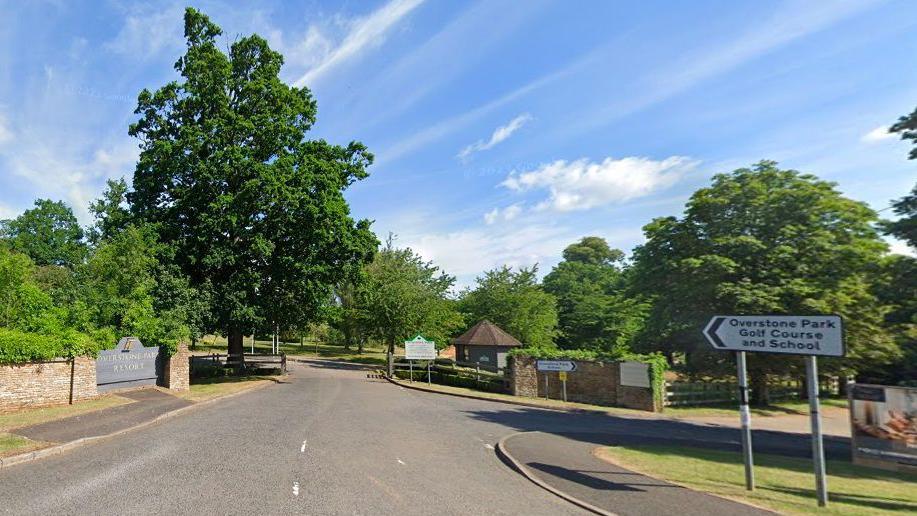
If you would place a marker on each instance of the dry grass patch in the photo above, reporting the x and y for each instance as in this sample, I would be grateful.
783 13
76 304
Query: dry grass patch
34 416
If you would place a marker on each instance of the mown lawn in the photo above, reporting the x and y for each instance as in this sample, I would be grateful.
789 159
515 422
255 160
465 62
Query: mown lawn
783 484
208 388
732 409
33 416
370 355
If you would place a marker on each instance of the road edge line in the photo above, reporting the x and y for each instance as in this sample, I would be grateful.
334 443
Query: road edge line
511 461
22 458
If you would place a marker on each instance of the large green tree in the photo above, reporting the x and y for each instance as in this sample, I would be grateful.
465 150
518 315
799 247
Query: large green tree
402 295
516 302
48 233
905 227
109 212
762 240
595 310
254 210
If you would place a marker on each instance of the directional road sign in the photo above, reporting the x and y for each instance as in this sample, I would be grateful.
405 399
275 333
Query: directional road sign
815 335
556 365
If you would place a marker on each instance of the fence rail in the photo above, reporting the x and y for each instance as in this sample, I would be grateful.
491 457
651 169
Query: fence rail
459 374
245 360
709 393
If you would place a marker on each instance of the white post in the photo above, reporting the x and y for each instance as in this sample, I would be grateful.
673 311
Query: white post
253 341
546 386
429 373
564 382
818 450
411 366
745 419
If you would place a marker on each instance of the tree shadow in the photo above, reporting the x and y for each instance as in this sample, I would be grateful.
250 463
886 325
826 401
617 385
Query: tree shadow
872 502
610 430
580 477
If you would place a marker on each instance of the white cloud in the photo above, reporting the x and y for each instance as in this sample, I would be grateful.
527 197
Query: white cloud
364 33
500 134
506 214
149 30
583 184
878 134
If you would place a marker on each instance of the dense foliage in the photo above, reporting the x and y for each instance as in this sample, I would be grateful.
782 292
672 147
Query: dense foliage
49 234
514 301
595 311
255 213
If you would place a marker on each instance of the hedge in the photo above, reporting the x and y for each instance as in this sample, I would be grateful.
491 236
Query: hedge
18 346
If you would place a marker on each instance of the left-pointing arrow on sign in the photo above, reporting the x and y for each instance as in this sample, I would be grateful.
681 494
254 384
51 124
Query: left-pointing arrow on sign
710 332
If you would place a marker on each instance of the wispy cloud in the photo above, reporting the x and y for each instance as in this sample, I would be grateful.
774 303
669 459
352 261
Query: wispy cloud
878 134
147 31
505 214
6 134
364 33
500 134
584 184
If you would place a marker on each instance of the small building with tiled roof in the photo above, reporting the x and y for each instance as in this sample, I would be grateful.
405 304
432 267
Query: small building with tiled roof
484 343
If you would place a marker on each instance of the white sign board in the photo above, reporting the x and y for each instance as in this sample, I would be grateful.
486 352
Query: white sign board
419 348
556 365
635 374
818 335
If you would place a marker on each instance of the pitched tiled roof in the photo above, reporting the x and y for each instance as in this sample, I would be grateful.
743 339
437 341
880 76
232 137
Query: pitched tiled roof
486 333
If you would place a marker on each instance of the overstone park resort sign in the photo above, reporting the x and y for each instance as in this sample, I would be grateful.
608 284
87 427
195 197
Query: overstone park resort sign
130 364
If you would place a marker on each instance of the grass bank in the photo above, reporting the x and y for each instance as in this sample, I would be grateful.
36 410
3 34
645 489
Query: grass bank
783 484
208 388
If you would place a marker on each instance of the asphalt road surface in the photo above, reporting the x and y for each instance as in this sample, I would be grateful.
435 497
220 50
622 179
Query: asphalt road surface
330 441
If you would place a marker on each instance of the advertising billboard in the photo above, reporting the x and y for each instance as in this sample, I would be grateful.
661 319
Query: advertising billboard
884 426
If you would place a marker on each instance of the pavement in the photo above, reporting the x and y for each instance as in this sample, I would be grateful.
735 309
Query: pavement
566 463
332 441
835 421
148 405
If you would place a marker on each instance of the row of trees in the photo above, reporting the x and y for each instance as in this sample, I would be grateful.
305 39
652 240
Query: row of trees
757 240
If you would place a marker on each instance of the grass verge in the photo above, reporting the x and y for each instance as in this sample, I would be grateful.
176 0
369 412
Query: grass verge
209 388
784 484
34 416
732 409
14 444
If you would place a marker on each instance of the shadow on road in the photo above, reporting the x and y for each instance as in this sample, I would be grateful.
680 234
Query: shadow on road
609 430
581 477
341 366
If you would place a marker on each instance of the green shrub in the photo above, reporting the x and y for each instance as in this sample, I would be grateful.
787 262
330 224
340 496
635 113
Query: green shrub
18 346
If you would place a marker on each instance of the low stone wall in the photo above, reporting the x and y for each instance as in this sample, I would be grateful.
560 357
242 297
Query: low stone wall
596 383
47 383
176 370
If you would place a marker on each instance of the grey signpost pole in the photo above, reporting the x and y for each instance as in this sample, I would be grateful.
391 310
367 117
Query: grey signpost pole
818 450
564 382
411 366
429 372
745 418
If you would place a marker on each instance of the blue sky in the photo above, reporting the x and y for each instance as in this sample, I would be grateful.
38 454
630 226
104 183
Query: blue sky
503 130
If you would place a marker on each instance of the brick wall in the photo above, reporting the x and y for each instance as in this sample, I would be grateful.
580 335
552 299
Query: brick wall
46 383
176 370
596 383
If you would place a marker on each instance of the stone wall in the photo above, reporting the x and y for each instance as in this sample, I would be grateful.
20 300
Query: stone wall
596 383
176 370
47 383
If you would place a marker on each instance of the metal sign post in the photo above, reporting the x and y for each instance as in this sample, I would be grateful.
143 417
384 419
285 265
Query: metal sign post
563 382
546 386
411 366
807 335
818 450
745 418
429 373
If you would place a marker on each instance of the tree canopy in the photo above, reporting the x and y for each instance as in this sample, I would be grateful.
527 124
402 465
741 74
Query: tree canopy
762 240
514 301
48 233
254 211
595 309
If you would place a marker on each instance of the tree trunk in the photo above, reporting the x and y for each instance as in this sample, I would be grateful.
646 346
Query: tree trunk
236 346
760 395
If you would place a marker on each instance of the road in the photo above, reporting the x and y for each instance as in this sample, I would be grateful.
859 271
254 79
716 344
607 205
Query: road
330 441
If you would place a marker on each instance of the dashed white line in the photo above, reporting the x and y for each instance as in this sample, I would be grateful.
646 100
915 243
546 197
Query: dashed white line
302 449
400 461
295 488
489 446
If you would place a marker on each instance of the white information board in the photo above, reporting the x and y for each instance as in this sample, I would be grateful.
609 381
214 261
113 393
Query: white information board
635 374
419 348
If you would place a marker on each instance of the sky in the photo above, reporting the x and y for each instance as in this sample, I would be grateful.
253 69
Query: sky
503 131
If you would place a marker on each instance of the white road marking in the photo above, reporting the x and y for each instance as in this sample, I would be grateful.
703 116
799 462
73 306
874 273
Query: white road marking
302 449
295 488
489 446
400 461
